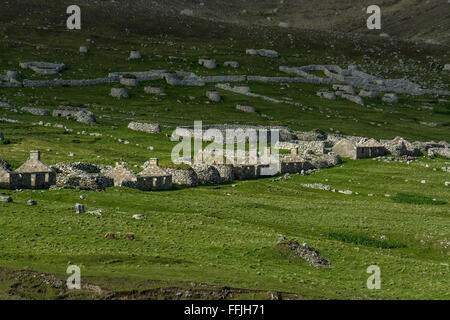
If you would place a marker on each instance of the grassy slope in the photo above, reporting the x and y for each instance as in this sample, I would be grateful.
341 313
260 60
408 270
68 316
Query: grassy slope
204 234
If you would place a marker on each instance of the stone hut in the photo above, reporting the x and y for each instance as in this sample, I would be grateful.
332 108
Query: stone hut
34 174
294 163
153 177
348 149
122 176
8 179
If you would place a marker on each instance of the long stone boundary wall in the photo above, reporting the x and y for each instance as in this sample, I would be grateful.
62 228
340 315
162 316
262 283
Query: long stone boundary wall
333 75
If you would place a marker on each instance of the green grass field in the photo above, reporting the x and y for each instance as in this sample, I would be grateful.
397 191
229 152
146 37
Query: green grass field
225 235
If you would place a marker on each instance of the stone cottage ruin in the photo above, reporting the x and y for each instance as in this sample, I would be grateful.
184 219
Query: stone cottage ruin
349 149
8 179
34 174
153 177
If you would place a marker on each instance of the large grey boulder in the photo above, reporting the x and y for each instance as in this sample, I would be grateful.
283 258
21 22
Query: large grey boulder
134 55
119 93
83 49
208 63
353 98
245 108
213 95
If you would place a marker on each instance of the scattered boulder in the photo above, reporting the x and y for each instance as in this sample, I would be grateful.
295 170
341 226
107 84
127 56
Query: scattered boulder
262 52
145 127
187 12
367 94
31 202
284 25
318 186
233 64
98 212
213 95
326 94
305 252
139 217
390 98
36 111
245 108
353 98
345 88
447 67
119 93
153 89
208 63
83 49
134 55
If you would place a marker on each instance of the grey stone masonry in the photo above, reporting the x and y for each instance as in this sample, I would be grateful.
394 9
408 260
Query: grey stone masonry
134 55
81 115
45 68
145 127
34 174
208 63
36 111
245 108
262 52
153 89
233 64
119 93
213 95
